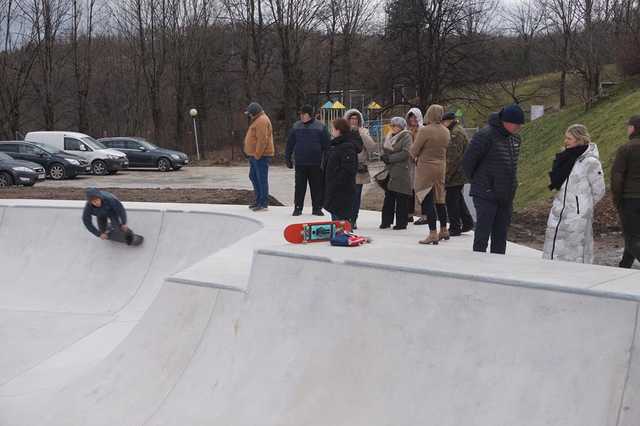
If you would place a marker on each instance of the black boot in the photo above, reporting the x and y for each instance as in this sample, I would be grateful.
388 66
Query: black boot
318 212
297 212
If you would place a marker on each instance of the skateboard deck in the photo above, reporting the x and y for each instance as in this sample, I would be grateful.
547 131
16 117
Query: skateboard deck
129 238
313 232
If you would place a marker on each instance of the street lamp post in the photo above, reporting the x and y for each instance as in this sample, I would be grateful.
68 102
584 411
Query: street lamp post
194 113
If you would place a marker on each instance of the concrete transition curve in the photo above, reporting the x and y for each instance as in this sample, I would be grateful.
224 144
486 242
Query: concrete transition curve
214 320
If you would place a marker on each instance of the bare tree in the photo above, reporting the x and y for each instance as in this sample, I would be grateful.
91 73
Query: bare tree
19 50
293 21
82 27
145 24
353 17
591 45
256 58
525 20
48 18
562 18
440 54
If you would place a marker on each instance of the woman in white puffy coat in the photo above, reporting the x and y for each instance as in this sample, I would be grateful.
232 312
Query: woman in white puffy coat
578 177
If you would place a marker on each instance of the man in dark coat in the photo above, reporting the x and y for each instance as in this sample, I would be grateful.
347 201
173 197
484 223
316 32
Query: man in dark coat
460 220
109 211
340 170
308 140
491 164
625 188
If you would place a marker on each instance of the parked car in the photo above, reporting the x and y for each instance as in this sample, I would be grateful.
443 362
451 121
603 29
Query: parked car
57 164
18 172
142 153
103 160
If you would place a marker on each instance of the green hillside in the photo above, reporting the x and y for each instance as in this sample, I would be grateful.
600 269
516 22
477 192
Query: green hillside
543 138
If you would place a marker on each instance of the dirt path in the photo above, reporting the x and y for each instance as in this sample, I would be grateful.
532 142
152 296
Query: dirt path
156 195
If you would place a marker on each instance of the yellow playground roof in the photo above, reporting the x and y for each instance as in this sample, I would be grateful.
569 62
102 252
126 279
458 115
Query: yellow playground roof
338 105
374 105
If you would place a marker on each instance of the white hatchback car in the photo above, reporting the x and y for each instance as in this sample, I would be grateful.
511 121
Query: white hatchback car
102 159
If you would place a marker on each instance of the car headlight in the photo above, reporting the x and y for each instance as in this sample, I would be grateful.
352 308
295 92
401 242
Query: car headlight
175 156
113 157
23 169
72 161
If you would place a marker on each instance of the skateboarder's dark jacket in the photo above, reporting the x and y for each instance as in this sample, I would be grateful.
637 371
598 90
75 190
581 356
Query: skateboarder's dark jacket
111 209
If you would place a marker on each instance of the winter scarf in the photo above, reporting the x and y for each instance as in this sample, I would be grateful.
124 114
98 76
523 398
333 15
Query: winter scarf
563 164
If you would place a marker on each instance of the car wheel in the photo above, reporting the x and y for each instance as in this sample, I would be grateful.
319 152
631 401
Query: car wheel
57 171
164 165
5 180
99 168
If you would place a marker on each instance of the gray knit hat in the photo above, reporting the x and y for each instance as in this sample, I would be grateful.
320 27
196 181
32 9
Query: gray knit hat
254 109
399 122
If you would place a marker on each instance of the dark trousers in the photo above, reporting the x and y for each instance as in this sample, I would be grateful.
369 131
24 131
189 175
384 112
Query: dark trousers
313 176
357 199
259 176
103 224
630 217
459 216
396 204
492 221
434 212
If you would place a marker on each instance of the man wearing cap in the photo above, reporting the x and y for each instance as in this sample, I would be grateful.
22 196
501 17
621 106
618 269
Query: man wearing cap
258 146
625 188
460 219
307 142
491 164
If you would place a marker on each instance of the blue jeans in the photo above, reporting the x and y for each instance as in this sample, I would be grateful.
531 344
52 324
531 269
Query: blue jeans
356 203
259 176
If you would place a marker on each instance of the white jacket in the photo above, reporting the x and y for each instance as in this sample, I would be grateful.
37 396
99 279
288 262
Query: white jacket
569 235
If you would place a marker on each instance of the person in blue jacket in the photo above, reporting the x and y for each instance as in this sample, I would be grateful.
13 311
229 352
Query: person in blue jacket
306 145
109 212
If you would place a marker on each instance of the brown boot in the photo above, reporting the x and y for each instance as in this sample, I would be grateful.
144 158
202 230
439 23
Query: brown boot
432 238
444 234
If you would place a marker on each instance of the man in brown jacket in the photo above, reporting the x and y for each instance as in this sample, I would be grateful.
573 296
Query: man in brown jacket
460 220
625 187
258 146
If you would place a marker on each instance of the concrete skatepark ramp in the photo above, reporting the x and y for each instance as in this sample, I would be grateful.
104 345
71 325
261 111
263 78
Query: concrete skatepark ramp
196 329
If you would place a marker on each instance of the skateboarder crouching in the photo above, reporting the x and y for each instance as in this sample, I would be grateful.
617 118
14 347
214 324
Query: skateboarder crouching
109 211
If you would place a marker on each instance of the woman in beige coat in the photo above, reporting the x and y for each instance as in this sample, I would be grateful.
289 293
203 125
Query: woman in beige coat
429 151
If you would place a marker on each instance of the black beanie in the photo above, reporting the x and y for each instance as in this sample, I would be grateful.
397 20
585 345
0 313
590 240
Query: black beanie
512 114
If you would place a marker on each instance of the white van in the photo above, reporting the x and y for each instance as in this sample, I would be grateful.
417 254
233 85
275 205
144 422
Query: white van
102 159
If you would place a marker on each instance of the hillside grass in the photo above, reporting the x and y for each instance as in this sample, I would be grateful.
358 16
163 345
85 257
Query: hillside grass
541 89
543 138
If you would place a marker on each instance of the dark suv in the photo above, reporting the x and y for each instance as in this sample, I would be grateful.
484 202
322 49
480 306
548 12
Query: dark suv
142 153
18 172
58 164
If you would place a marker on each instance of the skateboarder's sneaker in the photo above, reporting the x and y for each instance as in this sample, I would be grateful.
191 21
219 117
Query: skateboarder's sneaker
318 212
252 206
297 212
260 209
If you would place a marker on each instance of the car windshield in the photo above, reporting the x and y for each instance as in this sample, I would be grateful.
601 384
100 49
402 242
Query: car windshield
147 144
48 148
93 143
4 156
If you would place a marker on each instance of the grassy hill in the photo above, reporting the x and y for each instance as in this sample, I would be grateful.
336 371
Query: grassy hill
543 138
